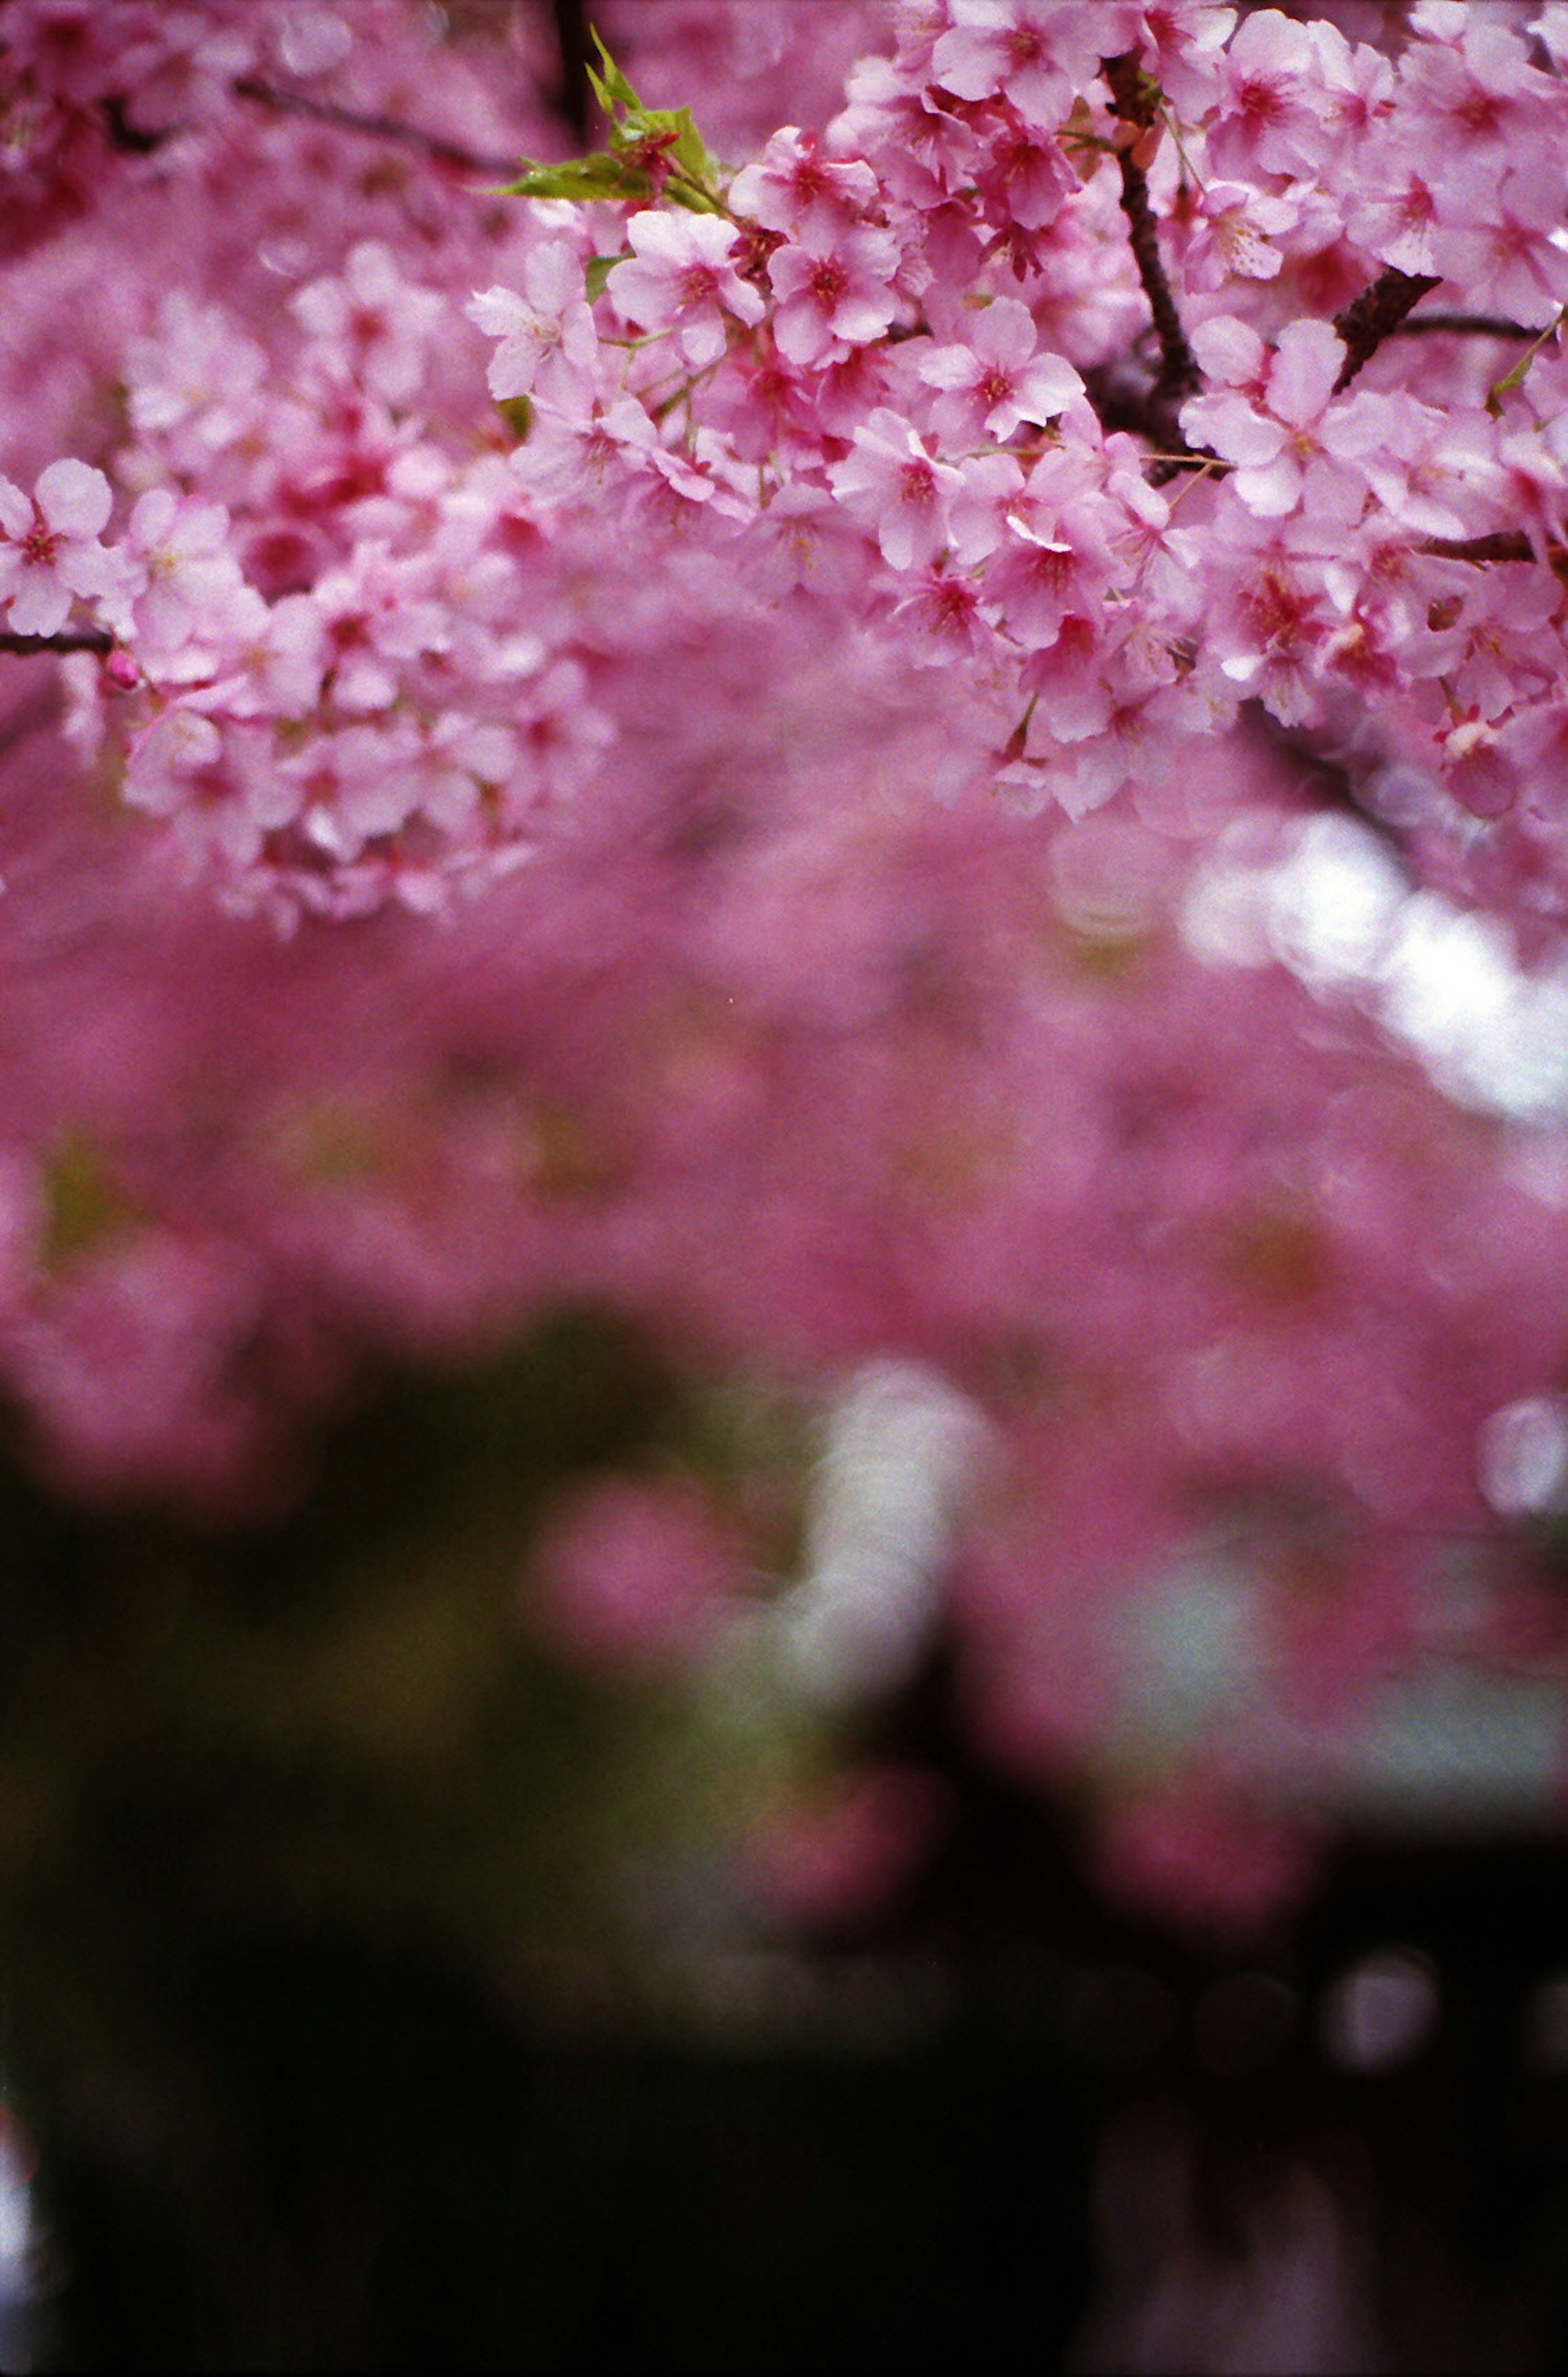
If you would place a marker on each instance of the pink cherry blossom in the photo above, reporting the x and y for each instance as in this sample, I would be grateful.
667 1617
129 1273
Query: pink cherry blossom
682 278
548 342
50 551
999 378
381 322
890 481
835 290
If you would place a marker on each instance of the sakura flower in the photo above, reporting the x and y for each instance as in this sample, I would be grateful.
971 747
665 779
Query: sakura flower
836 292
353 786
1055 558
792 186
1026 176
378 617
372 324
1230 229
548 341
461 763
923 151
1481 93
1287 454
194 383
1037 52
49 546
566 457
944 620
1270 619
682 279
1495 237
1181 41
276 658
999 378
1394 206
191 576
1267 119
564 734
890 483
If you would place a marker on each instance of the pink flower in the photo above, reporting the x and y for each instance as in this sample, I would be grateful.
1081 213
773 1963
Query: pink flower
548 341
682 279
793 187
1267 118
1231 229
1037 52
49 546
891 483
372 325
1495 237
191 580
836 292
999 378
1286 454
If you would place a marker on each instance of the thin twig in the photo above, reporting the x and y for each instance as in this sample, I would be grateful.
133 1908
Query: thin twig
370 127
86 639
1463 326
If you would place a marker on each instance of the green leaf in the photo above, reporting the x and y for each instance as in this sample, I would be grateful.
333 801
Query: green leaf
517 411
597 271
612 89
692 152
599 176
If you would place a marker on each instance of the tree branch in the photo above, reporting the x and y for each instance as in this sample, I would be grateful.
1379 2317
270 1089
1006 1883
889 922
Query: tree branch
571 39
1502 544
1133 103
370 127
1375 315
86 639
1471 326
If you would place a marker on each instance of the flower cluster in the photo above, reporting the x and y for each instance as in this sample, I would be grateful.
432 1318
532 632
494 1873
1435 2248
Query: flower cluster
898 364
1052 429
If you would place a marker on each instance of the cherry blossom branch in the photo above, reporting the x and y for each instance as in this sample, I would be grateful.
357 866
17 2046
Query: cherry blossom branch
370 127
86 639
1376 314
1502 544
1471 326
1135 101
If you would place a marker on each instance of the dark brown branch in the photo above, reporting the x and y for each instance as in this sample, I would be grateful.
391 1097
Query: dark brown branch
1375 315
370 127
1133 103
87 640
1463 326
574 97
1502 544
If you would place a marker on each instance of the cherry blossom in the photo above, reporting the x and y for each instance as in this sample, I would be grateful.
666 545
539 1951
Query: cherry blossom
50 551
548 341
998 379
682 278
